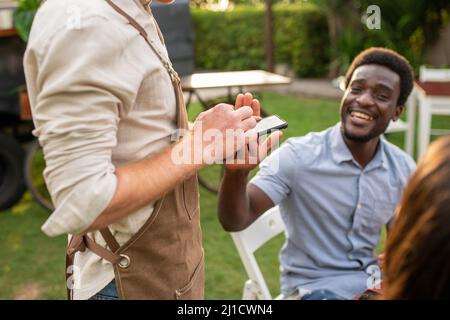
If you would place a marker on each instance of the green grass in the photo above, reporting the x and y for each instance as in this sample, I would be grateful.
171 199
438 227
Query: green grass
32 265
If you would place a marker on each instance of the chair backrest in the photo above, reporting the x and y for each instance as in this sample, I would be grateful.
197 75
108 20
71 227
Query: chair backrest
247 241
434 74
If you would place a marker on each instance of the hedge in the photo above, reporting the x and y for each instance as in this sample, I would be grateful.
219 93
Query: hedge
234 40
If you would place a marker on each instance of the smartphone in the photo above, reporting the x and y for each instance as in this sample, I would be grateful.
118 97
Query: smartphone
269 124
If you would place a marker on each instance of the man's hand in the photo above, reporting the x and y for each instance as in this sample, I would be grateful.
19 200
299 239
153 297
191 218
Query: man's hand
219 132
246 159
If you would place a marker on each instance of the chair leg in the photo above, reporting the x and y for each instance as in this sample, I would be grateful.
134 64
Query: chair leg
411 121
424 125
251 290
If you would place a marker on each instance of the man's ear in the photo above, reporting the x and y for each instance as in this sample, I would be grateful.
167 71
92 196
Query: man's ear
398 112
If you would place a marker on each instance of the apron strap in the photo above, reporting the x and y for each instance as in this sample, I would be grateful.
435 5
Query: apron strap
80 243
133 22
181 116
173 74
110 239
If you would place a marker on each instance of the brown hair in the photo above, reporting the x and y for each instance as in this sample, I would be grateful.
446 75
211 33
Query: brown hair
417 261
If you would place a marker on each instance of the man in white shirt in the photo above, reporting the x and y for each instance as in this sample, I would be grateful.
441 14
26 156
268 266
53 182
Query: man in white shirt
104 107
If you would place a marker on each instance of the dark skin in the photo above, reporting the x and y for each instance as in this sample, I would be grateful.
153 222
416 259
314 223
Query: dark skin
368 105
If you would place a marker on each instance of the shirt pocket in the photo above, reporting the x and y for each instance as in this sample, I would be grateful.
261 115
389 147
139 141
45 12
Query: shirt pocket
381 213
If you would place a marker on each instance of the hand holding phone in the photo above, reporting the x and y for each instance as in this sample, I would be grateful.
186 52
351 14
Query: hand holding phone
269 124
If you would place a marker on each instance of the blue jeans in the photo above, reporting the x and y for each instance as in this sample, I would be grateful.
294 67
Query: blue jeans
107 293
322 295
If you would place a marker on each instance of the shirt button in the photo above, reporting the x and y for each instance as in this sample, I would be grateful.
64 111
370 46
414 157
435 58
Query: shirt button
350 233
350 256
359 206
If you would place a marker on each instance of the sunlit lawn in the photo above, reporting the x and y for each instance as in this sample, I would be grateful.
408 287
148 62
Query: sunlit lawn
32 265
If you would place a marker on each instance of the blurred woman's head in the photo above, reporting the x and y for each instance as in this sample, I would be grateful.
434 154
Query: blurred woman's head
417 262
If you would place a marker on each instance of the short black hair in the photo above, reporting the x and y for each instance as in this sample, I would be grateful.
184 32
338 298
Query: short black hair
389 59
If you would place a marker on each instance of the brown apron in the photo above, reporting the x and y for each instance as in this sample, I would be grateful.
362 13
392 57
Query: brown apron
164 259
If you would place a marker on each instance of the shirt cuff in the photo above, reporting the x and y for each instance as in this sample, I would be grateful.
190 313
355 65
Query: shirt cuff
81 207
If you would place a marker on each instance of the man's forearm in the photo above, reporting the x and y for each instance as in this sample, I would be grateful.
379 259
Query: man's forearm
234 203
142 182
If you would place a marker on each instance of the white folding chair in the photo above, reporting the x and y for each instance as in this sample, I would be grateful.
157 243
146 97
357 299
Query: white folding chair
406 125
431 104
247 241
434 74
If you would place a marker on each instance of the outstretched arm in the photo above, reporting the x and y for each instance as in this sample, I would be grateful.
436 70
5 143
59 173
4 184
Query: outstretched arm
240 203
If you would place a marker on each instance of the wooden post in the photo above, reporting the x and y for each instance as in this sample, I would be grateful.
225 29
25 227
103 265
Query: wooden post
268 35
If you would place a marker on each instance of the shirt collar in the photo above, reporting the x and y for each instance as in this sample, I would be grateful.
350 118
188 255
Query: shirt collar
379 159
146 2
340 152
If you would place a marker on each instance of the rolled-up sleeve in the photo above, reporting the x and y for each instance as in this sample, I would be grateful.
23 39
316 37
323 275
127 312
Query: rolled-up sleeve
84 82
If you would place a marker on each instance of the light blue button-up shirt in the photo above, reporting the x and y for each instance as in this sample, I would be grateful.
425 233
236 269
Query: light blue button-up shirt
333 209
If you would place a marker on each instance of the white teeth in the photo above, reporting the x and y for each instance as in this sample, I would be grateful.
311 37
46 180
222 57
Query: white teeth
361 115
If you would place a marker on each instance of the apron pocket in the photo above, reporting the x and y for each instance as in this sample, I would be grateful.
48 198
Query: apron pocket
194 288
191 196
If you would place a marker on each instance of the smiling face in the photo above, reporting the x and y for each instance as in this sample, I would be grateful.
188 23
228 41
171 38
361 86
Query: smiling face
370 102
